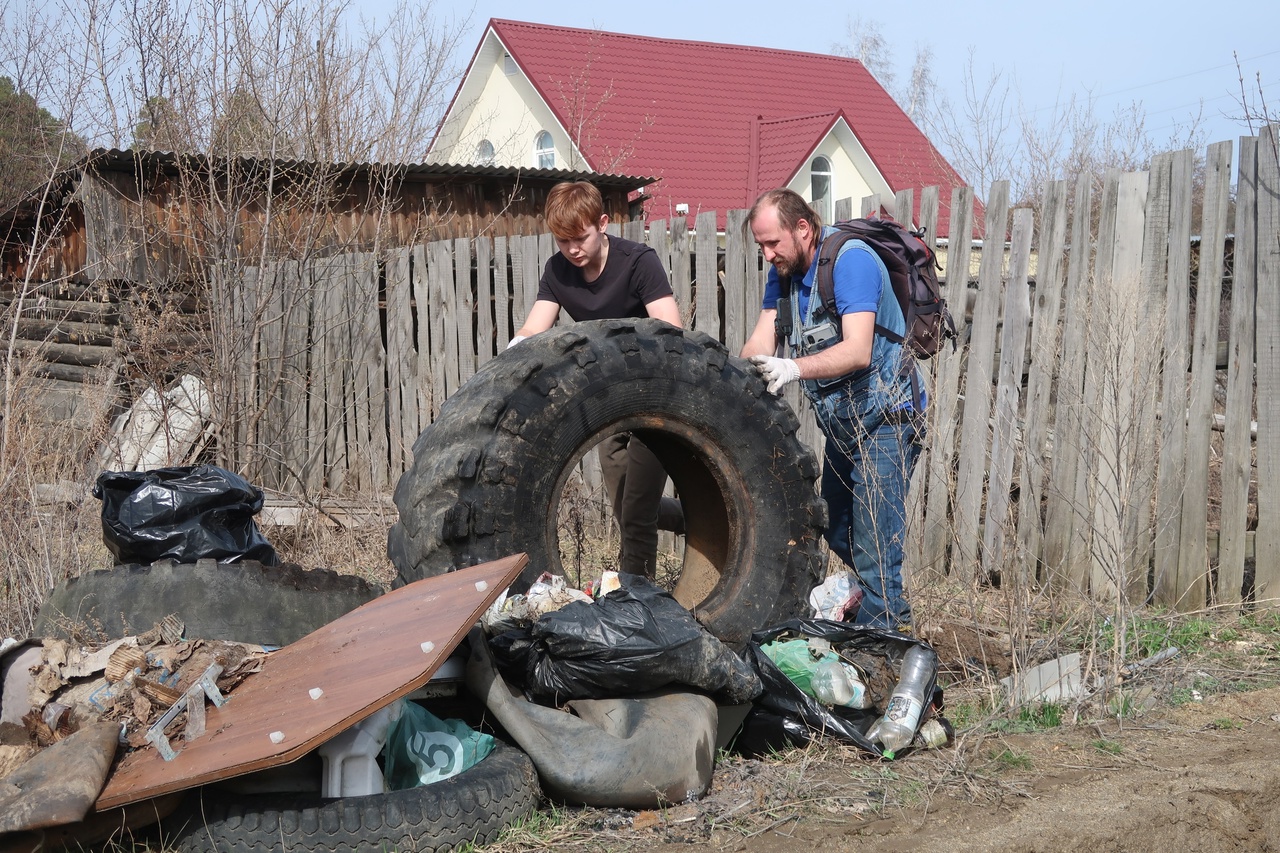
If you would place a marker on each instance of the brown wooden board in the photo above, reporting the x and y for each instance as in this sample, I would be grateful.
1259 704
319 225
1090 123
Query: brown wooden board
362 662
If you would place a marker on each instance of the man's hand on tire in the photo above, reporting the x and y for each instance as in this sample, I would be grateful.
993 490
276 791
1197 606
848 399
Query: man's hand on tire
777 372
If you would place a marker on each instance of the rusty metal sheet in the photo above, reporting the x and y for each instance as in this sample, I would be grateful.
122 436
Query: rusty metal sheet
324 683
59 784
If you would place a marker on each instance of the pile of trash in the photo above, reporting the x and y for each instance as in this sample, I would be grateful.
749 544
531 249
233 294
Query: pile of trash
53 687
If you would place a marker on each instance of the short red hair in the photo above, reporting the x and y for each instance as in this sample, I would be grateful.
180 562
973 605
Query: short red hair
573 207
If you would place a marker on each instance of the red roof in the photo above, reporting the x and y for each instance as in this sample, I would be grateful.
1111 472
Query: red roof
716 123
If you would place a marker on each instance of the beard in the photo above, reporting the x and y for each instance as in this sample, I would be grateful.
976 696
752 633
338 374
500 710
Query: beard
795 266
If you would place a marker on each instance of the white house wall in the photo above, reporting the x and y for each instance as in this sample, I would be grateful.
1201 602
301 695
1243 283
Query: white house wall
505 109
853 174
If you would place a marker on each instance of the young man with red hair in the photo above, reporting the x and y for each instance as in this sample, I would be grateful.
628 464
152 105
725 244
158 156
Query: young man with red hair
596 276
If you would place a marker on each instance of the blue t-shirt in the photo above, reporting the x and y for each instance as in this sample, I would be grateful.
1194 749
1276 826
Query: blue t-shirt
858 281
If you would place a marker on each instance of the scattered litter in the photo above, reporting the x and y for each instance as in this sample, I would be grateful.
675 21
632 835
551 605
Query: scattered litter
837 598
421 748
1057 680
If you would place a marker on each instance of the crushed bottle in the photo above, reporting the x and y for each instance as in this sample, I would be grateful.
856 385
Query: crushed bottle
835 682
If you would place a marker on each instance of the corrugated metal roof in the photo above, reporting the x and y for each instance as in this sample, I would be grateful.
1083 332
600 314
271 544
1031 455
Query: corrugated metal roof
115 158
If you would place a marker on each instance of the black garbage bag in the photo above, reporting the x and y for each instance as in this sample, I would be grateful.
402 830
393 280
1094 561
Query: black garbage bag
634 639
783 715
181 514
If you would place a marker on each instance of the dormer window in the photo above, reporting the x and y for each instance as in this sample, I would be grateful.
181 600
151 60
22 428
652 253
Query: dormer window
820 185
544 151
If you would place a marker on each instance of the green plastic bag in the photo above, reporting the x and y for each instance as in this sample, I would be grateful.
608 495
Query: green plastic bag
796 660
421 748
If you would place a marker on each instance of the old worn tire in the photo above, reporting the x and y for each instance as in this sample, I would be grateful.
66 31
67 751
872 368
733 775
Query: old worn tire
488 473
244 601
470 808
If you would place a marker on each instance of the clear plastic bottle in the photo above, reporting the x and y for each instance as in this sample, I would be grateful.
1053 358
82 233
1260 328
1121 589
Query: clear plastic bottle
897 727
835 682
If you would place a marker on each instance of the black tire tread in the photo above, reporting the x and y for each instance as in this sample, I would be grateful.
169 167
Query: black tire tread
481 470
470 808
241 601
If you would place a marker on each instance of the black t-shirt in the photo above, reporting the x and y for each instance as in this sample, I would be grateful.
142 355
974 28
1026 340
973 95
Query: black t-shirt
632 278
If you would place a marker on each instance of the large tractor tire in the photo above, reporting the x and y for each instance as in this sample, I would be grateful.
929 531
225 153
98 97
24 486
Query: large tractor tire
488 474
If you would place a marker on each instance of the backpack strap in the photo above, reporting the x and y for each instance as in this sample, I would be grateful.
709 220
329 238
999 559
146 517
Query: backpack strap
782 326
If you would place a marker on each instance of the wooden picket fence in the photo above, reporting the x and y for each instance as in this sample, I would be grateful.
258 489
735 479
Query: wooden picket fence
1083 434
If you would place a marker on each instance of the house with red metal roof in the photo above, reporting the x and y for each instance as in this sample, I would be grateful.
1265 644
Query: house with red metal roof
715 124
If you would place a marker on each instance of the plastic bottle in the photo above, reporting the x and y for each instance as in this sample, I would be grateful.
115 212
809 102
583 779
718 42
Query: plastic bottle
935 733
897 727
835 682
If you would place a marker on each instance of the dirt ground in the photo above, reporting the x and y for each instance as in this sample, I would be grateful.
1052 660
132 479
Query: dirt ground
1175 770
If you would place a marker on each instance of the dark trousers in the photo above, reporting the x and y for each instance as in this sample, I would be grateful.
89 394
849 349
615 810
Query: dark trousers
634 480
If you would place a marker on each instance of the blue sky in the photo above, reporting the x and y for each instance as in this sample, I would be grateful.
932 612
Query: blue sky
1169 55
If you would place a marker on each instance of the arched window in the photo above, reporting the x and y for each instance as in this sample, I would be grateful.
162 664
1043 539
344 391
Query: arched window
485 153
544 151
820 181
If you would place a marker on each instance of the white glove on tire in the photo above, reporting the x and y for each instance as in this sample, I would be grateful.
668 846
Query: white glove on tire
517 339
777 372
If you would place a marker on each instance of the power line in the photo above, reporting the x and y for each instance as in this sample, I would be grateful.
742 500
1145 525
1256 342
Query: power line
1162 81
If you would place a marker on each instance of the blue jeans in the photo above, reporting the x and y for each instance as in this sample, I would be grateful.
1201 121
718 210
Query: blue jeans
864 482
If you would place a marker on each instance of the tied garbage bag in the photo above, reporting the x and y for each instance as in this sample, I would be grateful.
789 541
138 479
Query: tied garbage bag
421 748
181 514
634 639
784 715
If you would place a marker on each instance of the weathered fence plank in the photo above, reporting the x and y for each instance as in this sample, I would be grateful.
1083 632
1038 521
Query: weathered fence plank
438 275
428 367
402 362
1171 474
1065 537
913 554
335 361
271 366
1148 354
1267 541
374 362
974 425
1193 549
681 278
1237 461
944 392
1015 322
464 302
1094 564
706 286
502 304
1044 356
295 373
1110 370
735 283
484 300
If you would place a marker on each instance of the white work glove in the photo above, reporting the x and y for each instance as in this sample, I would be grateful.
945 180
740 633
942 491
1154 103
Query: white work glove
777 372
517 339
